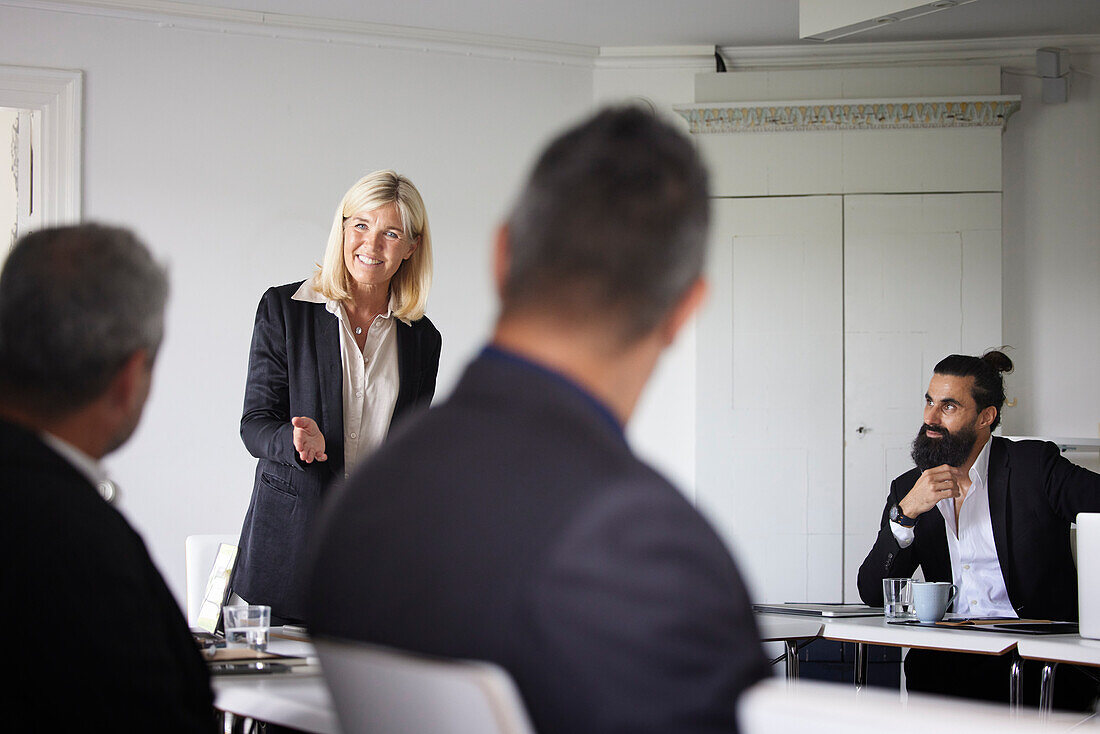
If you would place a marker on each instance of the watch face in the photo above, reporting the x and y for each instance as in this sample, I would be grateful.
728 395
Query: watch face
894 513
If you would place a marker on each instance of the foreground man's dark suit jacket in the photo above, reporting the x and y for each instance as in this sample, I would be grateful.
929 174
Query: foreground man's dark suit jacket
514 525
95 640
294 370
1034 495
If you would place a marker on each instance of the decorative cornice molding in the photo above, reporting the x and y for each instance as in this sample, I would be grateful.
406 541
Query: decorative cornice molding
279 25
849 114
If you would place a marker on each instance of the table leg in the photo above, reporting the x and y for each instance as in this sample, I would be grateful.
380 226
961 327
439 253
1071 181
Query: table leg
232 724
1046 689
861 665
1015 684
792 659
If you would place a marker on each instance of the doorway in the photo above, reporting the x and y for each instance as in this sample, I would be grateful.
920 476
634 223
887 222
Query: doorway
40 149
20 143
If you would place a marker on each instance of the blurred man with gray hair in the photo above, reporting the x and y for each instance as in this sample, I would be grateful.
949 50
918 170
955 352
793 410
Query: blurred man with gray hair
96 638
514 524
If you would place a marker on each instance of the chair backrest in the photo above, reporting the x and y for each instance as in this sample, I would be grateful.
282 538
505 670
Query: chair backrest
199 554
379 690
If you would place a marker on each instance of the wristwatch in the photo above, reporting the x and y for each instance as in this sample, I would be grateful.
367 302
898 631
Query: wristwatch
897 516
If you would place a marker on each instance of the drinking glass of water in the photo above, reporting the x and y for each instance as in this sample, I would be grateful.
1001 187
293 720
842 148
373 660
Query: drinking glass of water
247 626
897 599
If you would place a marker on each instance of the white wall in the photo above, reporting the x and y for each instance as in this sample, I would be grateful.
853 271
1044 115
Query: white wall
1051 226
1051 239
662 429
1051 249
228 153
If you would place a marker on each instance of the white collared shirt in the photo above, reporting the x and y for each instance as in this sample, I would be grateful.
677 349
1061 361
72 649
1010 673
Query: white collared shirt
975 568
370 378
92 470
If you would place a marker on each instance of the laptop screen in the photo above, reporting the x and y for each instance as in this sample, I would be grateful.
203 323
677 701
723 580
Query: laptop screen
1088 573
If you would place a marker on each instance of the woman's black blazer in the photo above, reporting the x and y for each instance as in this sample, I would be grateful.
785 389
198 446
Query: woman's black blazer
294 370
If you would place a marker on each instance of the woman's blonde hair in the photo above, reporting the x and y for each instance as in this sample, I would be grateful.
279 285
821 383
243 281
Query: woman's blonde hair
412 281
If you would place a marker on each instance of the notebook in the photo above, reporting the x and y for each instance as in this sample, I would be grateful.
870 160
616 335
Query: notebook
820 609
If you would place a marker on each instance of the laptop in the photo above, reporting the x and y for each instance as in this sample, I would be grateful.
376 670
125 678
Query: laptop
820 609
1088 574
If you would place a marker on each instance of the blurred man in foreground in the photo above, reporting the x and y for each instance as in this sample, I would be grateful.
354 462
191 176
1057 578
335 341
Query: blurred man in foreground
513 524
96 640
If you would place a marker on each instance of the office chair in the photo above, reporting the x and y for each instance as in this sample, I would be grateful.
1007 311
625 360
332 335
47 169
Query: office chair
379 690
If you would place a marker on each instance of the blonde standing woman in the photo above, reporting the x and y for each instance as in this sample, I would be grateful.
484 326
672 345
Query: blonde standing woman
335 361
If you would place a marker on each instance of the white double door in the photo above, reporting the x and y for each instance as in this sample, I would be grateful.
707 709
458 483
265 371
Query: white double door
826 316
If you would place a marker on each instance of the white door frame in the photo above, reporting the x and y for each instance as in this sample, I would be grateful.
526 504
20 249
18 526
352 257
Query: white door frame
58 95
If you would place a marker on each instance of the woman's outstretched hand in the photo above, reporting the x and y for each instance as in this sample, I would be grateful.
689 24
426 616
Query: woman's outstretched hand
308 441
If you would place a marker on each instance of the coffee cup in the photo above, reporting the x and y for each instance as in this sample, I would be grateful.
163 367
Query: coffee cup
931 599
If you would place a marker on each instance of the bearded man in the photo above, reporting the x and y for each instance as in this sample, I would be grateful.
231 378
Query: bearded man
990 515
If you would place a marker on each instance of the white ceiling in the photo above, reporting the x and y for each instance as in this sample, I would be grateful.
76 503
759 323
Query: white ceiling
683 22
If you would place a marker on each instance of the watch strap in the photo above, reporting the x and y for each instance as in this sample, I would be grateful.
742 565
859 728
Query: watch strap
901 519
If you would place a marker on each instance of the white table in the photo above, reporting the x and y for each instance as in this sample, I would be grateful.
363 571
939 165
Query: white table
788 629
299 699
1054 649
1049 649
876 631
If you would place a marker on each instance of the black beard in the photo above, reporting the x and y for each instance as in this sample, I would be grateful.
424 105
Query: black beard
951 448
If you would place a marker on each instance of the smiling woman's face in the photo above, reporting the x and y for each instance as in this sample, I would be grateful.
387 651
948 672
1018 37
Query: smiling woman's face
375 245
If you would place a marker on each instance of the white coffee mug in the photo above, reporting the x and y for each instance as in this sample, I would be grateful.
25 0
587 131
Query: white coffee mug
931 599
